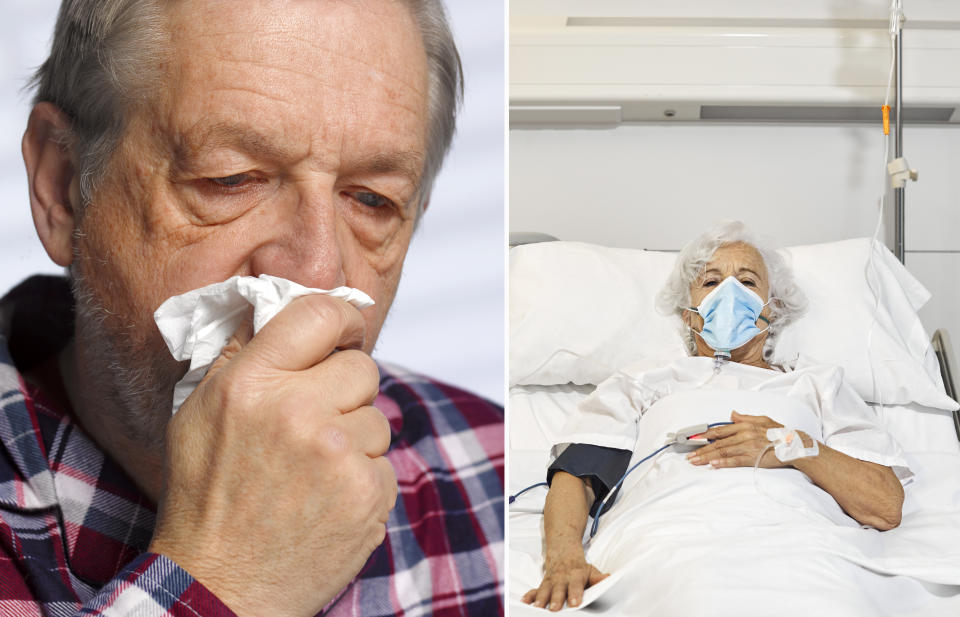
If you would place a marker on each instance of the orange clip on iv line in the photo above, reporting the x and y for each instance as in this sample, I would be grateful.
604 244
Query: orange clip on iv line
886 119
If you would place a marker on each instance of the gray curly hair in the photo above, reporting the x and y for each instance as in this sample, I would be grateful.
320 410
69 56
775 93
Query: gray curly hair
788 303
104 61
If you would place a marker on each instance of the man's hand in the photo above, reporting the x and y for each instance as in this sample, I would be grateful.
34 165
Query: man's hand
276 489
739 444
566 574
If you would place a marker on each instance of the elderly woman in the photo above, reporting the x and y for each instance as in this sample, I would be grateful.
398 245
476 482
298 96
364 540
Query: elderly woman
733 295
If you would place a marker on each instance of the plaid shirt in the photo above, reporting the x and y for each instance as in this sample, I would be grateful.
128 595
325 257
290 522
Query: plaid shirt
74 527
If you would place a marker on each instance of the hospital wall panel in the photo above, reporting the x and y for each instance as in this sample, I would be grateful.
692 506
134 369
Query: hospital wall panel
656 185
933 202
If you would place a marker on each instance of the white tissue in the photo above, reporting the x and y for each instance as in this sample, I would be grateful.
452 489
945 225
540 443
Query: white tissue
788 445
196 325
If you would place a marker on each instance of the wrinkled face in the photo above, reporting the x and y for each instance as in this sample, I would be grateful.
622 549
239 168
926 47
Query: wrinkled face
288 139
741 261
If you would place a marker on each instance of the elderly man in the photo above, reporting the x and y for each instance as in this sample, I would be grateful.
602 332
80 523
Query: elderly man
178 144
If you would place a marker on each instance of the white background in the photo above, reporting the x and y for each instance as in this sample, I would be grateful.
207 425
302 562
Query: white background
447 319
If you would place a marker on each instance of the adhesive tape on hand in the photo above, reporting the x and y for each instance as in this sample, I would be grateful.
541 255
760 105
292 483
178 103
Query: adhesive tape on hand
788 445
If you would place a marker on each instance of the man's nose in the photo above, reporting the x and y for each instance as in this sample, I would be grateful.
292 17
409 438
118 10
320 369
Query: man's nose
304 242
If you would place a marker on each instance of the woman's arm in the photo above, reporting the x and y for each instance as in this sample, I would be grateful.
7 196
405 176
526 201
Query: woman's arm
868 492
566 572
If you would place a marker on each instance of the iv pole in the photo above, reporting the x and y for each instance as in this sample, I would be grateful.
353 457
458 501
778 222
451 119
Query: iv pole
899 193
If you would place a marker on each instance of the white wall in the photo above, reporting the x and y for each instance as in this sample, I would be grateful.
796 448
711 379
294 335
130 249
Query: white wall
447 319
656 186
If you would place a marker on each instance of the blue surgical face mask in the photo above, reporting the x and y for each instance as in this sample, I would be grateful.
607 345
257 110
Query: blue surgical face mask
730 314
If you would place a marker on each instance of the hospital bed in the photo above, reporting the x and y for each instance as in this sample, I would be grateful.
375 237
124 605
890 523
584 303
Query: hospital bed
598 302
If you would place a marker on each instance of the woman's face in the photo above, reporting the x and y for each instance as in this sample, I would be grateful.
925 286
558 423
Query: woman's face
743 262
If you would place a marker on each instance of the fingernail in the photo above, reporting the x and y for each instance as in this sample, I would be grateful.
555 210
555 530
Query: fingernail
574 601
554 606
694 459
715 463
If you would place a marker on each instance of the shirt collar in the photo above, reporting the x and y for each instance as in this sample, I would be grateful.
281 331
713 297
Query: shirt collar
102 518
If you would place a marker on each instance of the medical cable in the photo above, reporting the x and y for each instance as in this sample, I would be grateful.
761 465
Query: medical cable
524 490
616 487
807 512
756 481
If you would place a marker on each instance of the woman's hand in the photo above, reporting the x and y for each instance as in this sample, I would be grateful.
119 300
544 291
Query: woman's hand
739 444
566 574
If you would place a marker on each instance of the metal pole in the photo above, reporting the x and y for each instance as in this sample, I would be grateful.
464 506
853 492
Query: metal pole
899 193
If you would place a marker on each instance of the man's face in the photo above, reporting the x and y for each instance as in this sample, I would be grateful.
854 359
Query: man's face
288 138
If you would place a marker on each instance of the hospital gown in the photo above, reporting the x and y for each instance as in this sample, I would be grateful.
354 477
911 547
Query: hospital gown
631 413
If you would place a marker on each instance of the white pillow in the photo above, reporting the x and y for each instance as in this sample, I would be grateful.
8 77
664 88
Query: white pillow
599 302
839 326
592 300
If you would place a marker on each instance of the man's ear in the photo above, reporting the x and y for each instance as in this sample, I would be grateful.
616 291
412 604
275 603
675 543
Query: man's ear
51 179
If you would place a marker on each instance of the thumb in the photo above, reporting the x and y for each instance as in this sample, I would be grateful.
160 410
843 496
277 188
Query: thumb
237 341
595 576
736 417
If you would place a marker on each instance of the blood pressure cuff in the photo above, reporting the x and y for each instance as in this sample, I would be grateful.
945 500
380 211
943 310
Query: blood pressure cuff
601 466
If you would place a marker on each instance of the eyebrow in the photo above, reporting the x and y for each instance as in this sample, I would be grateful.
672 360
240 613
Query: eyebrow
739 271
192 144
408 164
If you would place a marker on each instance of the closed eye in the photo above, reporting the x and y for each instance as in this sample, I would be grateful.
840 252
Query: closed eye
372 200
234 181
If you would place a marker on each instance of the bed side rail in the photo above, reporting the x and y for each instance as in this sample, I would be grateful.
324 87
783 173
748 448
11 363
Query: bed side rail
519 238
941 346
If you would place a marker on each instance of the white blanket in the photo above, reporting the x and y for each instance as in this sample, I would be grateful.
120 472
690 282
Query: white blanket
683 538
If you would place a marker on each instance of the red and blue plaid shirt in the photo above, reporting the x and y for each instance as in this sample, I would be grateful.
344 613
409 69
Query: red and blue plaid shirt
74 528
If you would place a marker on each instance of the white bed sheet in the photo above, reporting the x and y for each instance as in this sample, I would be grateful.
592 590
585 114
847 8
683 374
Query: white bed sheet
736 562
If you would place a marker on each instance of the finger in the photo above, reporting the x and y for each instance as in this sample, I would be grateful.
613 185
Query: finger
237 341
740 460
727 442
724 430
558 596
307 331
346 380
719 447
366 428
760 420
729 447
543 594
575 591
529 597
388 479
596 576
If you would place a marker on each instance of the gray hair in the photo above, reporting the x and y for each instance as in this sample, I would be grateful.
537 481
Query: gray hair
105 52
788 303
